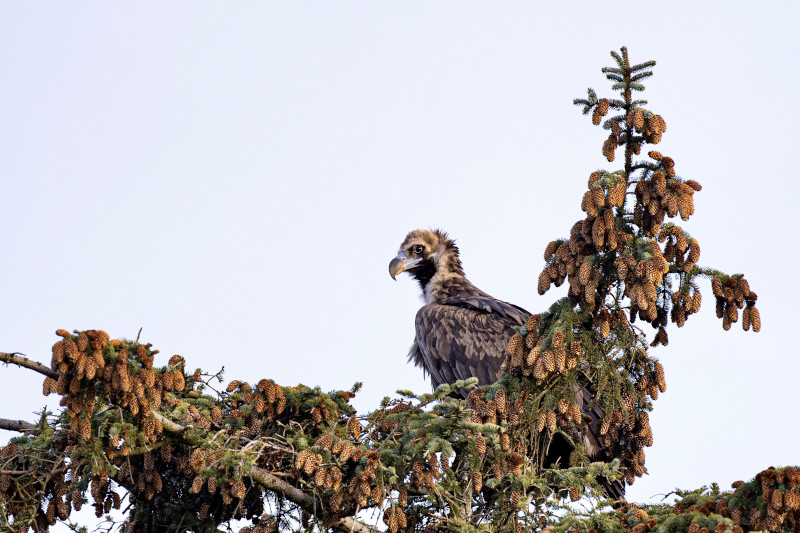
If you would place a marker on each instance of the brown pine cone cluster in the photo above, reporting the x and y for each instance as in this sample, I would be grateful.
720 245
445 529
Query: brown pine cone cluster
95 371
625 430
661 196
600 111
55 488
89 362
499 410
530 356
733 294
642 278
596 234
771 502
651 126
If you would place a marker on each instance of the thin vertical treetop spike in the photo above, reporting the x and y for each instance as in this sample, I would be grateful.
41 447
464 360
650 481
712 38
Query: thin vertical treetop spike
625 57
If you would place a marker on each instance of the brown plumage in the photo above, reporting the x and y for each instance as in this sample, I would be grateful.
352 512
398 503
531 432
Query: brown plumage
461 331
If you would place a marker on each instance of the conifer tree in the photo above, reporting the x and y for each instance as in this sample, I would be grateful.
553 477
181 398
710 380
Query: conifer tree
181 455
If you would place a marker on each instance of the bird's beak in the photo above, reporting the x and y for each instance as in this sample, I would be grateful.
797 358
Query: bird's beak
402 263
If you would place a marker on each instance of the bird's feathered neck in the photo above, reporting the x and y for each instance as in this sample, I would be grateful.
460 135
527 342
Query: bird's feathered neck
441 275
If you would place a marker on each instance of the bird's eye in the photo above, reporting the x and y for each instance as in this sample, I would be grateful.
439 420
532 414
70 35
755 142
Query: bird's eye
418 249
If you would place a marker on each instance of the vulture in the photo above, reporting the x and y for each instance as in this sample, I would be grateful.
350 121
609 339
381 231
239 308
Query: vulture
463 332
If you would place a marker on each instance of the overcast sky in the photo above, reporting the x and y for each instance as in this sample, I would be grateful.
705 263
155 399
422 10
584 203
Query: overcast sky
234 178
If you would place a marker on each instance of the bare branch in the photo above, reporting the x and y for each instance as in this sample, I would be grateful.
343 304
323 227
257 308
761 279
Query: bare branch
20 360
15 425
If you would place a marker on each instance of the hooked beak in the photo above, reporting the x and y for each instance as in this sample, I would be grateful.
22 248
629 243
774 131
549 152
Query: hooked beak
402 263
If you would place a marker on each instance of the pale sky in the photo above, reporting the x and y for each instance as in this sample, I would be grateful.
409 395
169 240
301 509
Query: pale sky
234 178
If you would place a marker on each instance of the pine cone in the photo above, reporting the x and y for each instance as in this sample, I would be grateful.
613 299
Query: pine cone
533 323
563 405
616 194
584 273
746 321
533 355
477 481
776 500
505 442
500 400
549 359
685 207
560 355
609 146
575 413
720 307
539 370
480 445
550 250
605 327
652 391
325 441
354 427
598 233
598 197
515 345
657 124
732 313
551 421
716 286
662 384
697 299
755 318
636 118
541 421
659 182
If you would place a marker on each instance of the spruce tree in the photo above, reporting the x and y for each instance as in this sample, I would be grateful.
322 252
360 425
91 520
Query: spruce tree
282 458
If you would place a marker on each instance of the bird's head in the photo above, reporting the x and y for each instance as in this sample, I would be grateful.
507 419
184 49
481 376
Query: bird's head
424 253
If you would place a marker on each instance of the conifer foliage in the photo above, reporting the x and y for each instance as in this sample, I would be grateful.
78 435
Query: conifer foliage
625 261
176 454
626 240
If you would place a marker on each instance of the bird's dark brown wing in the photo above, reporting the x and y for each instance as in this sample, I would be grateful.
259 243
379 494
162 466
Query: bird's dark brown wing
465 337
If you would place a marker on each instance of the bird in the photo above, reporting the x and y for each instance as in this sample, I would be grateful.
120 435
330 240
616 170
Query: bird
462 332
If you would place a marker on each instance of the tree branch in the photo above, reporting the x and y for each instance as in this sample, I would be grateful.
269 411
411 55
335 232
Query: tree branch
20 360
307 502
260 475
15 425
273 483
